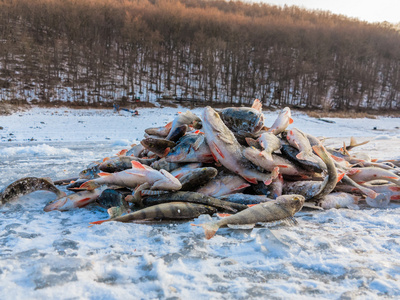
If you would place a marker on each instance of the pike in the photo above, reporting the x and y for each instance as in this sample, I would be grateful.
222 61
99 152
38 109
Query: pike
284 207
165 211
76 200
27 185
282 121
227 150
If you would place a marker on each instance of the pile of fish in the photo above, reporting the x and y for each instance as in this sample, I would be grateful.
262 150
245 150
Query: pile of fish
227 163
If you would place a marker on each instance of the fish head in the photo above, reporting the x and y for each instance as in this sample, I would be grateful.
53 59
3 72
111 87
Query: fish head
108 166
169 182
177 154
292 203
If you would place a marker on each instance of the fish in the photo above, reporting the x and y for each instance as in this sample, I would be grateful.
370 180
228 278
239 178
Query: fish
191 148
282 122
76 200
245 199
115 164
283 207
194 197
136 151
244 119
139 174
113 198
285 166
350 185
270 143
299 140
161 147
166 165
362 175
27 185
224 184
291 152
162 131
187 118
185 169
179 132
197 177
91 171
339 200
165 211
227 151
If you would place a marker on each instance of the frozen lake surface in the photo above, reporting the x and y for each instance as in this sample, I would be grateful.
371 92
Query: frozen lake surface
337 253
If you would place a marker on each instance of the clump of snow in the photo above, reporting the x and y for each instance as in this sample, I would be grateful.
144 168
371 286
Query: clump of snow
39 150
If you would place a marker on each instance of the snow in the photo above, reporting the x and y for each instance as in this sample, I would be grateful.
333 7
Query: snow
328 255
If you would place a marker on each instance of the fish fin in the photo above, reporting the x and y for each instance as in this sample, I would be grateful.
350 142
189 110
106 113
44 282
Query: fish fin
103 174
215 158
251 205
224 139
198 142
268 156
166 151
374 160
242 186
89 185
390 177
137 165
218 150
105 159
251 142
340 176
282 166
122 152
209 229
257 105
290 121
83 202
395 197
395 188
251 180
99 222
352 172
301 155
224 215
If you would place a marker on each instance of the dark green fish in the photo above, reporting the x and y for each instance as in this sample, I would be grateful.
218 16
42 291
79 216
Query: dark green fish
26 186
165 211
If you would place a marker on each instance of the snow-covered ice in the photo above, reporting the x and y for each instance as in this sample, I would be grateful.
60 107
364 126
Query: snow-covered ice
337 253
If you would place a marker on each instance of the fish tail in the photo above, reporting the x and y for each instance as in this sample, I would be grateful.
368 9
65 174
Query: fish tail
89 185
209 229
99 222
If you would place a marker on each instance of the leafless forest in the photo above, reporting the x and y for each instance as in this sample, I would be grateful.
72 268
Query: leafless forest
101 51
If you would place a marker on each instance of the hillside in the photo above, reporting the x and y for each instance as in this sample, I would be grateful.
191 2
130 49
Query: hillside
102 51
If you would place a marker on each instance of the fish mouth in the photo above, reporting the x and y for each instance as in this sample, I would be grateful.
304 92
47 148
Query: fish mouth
55 205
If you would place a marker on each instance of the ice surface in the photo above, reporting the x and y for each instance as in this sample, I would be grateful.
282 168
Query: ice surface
329 255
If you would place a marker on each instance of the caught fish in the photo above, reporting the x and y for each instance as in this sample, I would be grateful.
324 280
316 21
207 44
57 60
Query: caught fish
282 122
285 166
187 118
112 198
185 169
76 200
191 148
291 152
299 140
270 143
351 186
245 199
162 131
139 174
244 119
166 165
165 211
339 200
161 147
224 184
283 207
361 175
197 177
26 186
136 151
178 133
194 197
227 150
116 164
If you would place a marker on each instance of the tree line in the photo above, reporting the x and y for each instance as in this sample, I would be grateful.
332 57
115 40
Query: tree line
100 51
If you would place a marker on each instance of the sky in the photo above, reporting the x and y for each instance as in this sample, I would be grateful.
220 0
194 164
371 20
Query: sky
369 10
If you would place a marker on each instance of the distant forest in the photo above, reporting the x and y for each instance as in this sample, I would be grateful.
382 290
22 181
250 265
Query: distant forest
211 51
